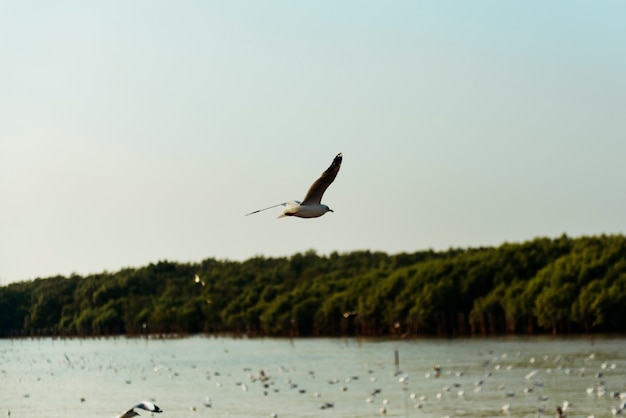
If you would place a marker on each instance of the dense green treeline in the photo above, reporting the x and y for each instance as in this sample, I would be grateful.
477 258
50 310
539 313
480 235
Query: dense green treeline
561 285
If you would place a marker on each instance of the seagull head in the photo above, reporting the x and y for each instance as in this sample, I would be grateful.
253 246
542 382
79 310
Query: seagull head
328 209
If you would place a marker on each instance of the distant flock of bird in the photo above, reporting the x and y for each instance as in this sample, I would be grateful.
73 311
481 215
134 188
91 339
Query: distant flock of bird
421 401
457 384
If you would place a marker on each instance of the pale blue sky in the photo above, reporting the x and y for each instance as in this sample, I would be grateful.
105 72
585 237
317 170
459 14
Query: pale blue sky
136 131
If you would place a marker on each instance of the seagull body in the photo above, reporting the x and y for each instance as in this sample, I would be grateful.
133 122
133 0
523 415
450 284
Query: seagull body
311 206
147 406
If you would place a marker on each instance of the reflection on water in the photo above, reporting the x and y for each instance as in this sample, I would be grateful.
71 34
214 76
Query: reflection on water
198 376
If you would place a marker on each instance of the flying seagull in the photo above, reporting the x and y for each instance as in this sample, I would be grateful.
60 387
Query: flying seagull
311 206
145 405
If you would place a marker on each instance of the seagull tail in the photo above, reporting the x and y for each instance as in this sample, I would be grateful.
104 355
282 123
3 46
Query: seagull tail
290 209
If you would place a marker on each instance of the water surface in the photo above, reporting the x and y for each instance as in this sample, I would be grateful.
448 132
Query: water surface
223 377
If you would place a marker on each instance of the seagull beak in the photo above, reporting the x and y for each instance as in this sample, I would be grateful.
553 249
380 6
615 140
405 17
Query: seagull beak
330 210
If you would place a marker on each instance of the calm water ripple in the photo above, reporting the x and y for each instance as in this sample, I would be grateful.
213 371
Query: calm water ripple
221 377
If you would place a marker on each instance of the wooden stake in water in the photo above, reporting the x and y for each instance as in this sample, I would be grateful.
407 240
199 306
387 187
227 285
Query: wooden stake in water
396 357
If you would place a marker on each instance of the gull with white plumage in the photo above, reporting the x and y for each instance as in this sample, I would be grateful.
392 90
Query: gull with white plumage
311 206
145 405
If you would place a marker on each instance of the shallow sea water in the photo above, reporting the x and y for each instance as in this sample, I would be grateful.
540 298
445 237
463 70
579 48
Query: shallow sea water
223 377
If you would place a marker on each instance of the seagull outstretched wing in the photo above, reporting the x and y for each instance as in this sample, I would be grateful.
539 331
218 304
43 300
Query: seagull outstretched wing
317 189
270 207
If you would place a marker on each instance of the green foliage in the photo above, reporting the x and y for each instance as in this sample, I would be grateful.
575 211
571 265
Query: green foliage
560 285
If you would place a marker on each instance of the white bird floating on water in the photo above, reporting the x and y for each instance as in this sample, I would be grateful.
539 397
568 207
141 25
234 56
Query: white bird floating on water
311 206
145 405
